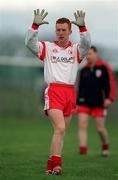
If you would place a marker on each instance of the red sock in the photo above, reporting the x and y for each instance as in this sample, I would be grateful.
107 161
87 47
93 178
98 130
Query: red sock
50 164
105 147
83 150
57 161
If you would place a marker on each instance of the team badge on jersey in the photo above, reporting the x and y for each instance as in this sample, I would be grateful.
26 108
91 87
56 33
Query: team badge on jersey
98 73
70 52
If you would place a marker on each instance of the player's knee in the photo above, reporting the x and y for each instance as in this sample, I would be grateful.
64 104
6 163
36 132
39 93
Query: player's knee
100 129
83 125
61 129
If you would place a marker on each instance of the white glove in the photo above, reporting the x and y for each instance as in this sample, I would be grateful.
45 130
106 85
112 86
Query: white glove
39 17
79 18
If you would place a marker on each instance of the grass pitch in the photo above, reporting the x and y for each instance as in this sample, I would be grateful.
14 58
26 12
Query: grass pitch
24 148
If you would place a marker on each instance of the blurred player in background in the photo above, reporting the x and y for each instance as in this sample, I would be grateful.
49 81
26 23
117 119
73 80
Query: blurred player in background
61 59
96 92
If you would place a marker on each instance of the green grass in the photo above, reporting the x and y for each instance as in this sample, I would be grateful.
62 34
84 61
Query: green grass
24 148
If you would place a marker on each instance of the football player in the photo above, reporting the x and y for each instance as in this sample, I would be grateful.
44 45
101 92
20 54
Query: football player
61 59
96 92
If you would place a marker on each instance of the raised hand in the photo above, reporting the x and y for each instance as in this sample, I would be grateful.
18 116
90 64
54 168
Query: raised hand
79 18
39 17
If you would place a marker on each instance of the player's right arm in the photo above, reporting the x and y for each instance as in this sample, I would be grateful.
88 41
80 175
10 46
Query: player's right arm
31 40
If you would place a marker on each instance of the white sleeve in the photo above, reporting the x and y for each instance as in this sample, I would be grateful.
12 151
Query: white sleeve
85 43
31 41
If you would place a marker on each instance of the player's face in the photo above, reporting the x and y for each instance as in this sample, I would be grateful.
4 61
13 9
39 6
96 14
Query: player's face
63 32
91 56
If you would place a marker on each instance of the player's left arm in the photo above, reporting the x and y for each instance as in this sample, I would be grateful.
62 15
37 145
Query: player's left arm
109 85
85 40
